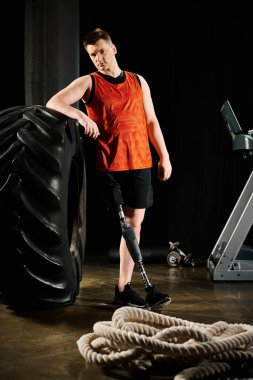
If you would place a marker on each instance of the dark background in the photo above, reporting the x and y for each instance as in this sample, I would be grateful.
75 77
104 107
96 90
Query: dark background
194 55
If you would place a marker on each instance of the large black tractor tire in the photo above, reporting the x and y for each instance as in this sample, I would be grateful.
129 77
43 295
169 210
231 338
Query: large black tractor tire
42 207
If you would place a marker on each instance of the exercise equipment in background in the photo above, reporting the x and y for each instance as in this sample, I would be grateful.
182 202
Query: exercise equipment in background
230 259
177 257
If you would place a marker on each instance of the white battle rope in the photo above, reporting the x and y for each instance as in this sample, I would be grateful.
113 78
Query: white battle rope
138 339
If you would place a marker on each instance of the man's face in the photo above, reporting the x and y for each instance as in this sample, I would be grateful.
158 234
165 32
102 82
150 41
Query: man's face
102 54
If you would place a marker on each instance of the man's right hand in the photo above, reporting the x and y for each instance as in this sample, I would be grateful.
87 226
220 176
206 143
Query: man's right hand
90 127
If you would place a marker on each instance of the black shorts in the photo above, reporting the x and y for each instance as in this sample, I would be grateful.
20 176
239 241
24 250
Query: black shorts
133 188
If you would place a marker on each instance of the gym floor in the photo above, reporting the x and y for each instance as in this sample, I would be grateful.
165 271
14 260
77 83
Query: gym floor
42 344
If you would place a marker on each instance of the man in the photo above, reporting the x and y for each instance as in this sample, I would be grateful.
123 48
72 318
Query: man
121 116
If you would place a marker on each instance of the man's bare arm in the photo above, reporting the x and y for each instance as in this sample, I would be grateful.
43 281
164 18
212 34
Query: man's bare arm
63 100
155 133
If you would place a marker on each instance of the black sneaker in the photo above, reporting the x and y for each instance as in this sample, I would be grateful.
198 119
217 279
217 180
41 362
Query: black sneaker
128 297
154 297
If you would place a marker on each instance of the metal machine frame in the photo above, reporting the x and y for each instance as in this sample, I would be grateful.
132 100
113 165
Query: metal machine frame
230 260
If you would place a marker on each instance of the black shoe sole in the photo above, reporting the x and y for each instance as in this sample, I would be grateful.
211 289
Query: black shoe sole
121 303
163 301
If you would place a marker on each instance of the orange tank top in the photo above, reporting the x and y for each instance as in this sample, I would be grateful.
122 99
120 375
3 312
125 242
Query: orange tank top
117 108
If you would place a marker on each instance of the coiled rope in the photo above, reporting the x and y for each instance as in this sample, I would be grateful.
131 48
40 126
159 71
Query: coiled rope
138 339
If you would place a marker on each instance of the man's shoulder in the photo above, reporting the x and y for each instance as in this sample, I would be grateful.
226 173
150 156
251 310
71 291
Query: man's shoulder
92 74
135 75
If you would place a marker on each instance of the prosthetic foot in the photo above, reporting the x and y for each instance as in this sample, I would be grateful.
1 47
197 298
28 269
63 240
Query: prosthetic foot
154 297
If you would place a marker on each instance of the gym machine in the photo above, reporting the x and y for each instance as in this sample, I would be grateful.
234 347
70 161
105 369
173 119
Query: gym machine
230 259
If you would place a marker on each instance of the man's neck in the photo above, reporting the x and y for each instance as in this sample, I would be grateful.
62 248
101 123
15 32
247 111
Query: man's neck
113 72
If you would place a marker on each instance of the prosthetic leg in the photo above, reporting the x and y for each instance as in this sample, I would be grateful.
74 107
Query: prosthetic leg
153 296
